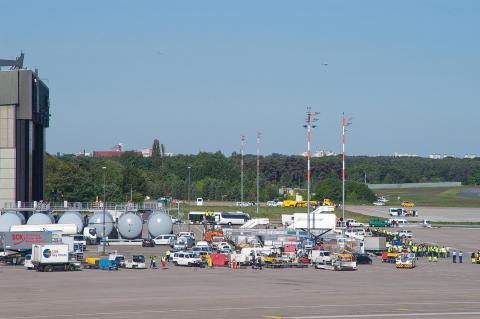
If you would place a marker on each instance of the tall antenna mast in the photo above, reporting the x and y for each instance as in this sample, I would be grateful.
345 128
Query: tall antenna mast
242 147
309 124
345 123
258 170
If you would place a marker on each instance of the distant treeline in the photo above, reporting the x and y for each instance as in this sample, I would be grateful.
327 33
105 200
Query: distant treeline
215 176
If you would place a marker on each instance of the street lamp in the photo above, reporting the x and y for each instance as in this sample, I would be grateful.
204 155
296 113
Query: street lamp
104 169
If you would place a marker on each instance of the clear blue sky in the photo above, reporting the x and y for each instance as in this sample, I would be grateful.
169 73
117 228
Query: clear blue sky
199 74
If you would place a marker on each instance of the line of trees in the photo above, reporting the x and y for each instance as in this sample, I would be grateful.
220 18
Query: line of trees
215 176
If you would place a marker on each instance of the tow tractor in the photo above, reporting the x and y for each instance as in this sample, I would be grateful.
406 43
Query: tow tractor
344 261
405 261
137 262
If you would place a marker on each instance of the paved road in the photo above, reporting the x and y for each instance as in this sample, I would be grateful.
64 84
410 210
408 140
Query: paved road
432 213
440 290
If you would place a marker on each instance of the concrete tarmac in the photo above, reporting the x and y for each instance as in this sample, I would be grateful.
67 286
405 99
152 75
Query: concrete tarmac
432 290
447 214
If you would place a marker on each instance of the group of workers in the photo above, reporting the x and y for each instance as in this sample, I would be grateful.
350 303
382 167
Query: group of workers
432 252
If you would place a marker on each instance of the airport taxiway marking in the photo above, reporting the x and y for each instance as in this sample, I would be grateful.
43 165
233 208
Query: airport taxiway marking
164 311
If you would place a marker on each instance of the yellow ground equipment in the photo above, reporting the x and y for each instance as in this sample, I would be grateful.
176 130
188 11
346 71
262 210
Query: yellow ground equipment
405 261
407 203
91 262
344 261
328 202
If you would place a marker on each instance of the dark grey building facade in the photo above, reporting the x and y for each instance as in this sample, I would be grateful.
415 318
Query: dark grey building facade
24 116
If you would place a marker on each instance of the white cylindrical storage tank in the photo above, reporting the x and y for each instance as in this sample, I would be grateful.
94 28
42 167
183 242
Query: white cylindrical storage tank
96 221
159 223
72 218
41 219
10 219
130 226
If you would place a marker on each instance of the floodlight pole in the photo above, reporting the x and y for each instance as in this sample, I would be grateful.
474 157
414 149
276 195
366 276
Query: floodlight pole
309 120
258 171
242 146
104 168
188 195
345 123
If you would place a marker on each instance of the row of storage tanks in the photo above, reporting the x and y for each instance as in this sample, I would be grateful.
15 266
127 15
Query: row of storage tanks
129 225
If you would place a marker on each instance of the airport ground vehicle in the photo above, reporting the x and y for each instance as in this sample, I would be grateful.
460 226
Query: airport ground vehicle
91 262
340 262
405 261
354 223
398 222
209 234
405 233
118 259
320 257
186 234
137 262
107 264
328 202
374 244
362 259
164 239
232 218
378 203
28 262
182 258
146 242
199 201
272 203
407 203
344 261
379 223
52 257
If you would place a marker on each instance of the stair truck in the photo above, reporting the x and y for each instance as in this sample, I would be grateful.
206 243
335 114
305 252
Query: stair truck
53 257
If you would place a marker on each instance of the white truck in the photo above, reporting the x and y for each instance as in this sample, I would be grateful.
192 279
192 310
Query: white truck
52 257
137 262
320 257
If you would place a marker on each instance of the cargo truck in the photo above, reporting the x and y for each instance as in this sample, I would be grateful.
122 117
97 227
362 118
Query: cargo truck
374 244
52 257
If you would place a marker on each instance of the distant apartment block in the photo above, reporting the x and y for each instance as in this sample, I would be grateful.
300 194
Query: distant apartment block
405 155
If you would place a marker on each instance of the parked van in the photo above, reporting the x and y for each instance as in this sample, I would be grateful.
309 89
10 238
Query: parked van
164 239
199 201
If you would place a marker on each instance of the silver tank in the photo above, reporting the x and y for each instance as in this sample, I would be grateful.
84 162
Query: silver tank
159 223
9 219
41 219
72 218
130 226
96 221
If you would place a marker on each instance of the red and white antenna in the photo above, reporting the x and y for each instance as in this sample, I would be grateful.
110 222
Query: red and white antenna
345 123
310 119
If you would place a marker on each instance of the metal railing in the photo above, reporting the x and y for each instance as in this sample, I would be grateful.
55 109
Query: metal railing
60 206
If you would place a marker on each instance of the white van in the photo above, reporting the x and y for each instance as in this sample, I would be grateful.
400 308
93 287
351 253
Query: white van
395 211
199 201
164 239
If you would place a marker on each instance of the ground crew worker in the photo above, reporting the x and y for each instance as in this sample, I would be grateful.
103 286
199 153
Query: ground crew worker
460 256
454 256
473 258
167 254
259 262
154 262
